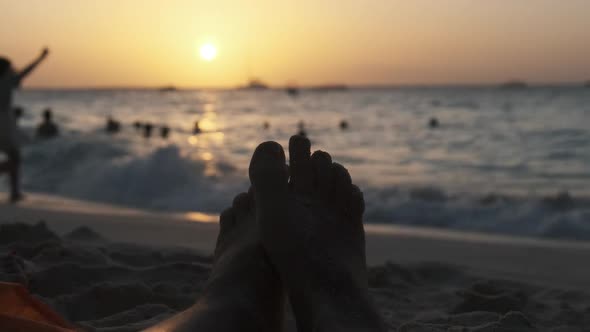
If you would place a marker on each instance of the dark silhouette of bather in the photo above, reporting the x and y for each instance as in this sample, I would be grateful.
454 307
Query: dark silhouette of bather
10 79
343 124
113 126
197 129
302 131
433 123
164 132
47 129
147 130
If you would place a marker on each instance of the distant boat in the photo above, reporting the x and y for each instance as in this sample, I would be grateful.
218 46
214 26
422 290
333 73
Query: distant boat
170 88
328 88
292 91
514 85
255 84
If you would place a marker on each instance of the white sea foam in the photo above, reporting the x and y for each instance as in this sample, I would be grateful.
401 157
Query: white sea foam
496 164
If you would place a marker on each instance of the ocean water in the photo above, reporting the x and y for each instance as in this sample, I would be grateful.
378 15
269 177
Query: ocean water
503 161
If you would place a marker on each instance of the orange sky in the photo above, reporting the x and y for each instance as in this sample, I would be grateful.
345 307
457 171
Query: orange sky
154 43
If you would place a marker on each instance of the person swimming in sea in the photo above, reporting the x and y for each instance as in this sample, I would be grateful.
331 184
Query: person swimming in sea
344 125
147 130
301 129
47 129
433 123
11 79
113 126
164 132
196 128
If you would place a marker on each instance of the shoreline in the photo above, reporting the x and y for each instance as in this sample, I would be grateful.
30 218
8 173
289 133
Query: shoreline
540 261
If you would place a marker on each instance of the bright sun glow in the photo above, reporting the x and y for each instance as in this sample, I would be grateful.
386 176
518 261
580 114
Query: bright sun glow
208 52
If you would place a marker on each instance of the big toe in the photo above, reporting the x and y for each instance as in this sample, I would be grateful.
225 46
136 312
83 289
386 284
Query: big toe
269 176
268 170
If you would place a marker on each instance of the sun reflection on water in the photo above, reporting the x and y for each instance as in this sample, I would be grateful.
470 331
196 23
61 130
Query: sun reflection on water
204 145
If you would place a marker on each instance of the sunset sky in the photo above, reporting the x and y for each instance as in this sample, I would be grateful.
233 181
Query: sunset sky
110 43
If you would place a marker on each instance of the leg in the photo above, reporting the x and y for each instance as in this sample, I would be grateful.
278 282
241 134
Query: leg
243 292
312 231
5 165
13 168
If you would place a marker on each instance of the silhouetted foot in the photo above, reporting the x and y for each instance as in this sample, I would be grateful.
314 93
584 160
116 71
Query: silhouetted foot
243 292
312 230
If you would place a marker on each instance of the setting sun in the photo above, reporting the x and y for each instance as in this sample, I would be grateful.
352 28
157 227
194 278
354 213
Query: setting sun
208 52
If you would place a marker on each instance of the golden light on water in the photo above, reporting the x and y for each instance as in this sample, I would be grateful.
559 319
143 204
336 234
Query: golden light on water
208 52
208 123
207 156
201 217
193 140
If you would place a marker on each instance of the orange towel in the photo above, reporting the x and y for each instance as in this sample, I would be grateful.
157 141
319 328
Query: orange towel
21 312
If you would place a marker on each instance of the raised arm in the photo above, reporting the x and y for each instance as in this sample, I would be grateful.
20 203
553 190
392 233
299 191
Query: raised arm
28 69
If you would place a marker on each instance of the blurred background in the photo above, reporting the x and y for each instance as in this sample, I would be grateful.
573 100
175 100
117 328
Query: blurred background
458 114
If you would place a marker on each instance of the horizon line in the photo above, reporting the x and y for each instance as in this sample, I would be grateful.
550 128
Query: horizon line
314 86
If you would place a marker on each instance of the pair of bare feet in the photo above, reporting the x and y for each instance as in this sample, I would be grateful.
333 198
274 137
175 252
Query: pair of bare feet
298 232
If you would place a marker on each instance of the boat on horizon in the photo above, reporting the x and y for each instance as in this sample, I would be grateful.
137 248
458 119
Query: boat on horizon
514 85
329 87
292 91
169 88
255 84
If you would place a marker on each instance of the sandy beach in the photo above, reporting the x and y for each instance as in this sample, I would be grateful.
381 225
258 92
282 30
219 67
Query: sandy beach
114 269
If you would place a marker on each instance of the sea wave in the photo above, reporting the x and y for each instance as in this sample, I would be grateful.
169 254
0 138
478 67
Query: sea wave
557 216
100 168
110 170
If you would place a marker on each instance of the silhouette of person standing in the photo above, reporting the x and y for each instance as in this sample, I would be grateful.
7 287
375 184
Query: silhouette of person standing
11 79
47 129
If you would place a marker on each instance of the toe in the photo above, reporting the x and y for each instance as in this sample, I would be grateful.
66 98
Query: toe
342 185
322 168
269 178
268 167
300 164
